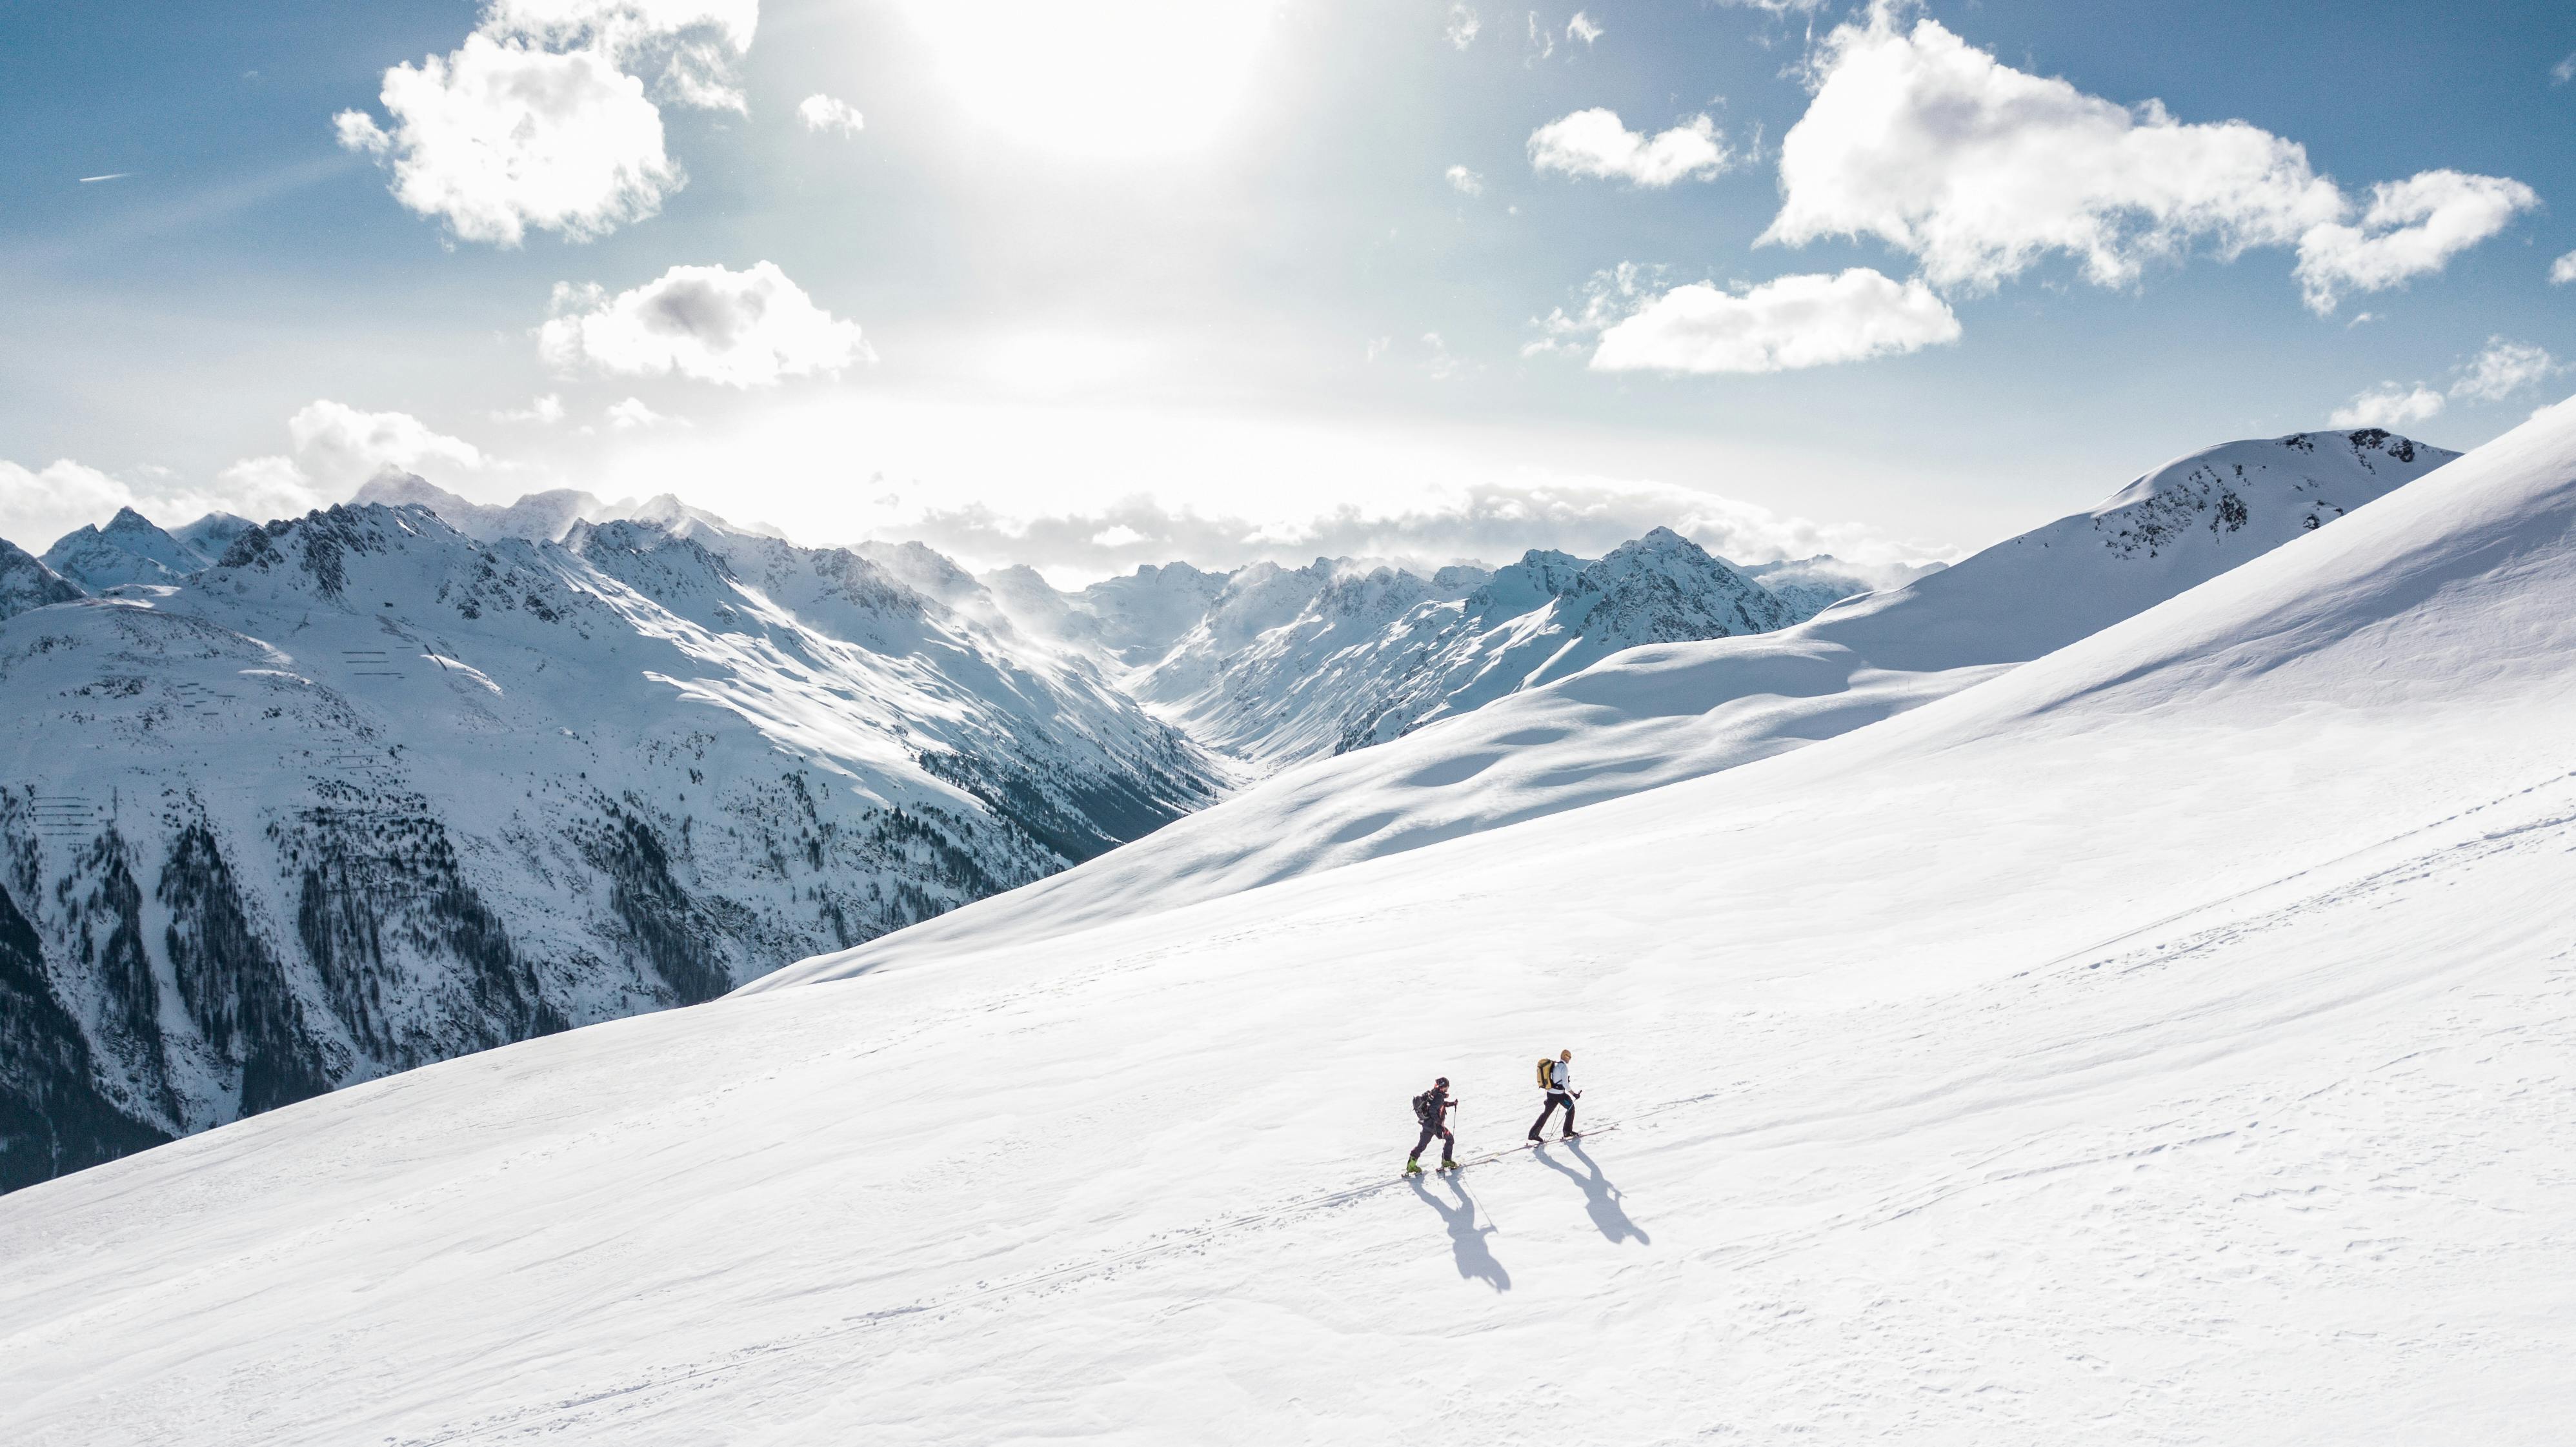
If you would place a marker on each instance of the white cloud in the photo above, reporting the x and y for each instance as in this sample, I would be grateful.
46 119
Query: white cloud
1778 7
547 410
2412 228
1541 38
1782 325
2495 374
824 113
2390 404
632 413
542 118
338 445
2563 270
740 328
2503 369
499 137
1980 170
39 506
1495 521
1594 143
2564 71
691 45
1466 181
1584 28
1463 25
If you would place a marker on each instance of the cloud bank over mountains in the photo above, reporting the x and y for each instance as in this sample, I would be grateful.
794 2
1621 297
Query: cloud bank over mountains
1486 522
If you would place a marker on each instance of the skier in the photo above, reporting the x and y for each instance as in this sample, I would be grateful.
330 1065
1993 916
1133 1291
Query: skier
1432 1108
1556 1077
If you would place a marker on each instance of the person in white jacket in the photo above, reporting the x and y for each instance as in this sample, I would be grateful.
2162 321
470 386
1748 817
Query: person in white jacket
1560 1093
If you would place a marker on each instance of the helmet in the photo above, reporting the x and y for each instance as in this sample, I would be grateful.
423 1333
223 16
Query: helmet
1443 1080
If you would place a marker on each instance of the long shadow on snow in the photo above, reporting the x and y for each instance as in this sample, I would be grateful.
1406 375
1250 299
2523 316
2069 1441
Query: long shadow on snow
1466 1239
1600 1198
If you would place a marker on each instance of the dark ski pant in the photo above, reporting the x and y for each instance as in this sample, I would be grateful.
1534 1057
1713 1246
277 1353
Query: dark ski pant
1555 1098
1448 1143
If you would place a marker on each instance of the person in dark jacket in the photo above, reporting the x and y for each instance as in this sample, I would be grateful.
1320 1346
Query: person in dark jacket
1432 1108
1560 1094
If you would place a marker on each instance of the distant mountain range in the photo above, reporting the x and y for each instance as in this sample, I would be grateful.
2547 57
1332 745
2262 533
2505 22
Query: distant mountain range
287 806
291 805
1657 715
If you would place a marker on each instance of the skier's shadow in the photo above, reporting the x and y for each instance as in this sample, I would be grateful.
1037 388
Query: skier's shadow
1600 1198
1466 1239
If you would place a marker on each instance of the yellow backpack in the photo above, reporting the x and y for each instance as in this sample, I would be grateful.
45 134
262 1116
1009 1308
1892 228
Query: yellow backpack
1546 1073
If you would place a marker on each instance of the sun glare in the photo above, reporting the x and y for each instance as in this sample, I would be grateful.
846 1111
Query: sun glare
1117 79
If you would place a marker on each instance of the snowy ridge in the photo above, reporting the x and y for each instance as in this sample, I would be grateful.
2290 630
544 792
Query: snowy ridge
368 793
2161 1033
130 549
1289 664
25 582
1657 715
539 517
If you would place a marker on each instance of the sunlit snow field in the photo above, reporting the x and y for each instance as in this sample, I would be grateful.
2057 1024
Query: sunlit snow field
2165 1041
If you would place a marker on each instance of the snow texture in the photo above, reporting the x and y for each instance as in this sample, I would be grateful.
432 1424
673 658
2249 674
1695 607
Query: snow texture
2164 1040
1656 715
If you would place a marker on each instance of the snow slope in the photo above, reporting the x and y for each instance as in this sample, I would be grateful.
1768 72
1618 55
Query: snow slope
2164 1041
369 793
1656 715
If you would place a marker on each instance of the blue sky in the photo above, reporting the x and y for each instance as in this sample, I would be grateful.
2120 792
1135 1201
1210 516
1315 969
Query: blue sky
1094 285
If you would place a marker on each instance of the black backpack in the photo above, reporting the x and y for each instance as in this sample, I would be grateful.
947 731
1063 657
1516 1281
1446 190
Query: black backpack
1426 1107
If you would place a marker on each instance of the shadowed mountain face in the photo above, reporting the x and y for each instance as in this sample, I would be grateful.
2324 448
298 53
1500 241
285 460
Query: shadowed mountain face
25 582
366 793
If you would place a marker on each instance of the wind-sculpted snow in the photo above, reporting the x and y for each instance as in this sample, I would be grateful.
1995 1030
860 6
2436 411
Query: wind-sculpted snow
2161 1041
1656 715
368 794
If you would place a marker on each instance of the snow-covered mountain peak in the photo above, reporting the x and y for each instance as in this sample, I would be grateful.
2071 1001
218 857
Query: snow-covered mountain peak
538 517
1541 575
130 549
2302 481
25 582
1664 588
